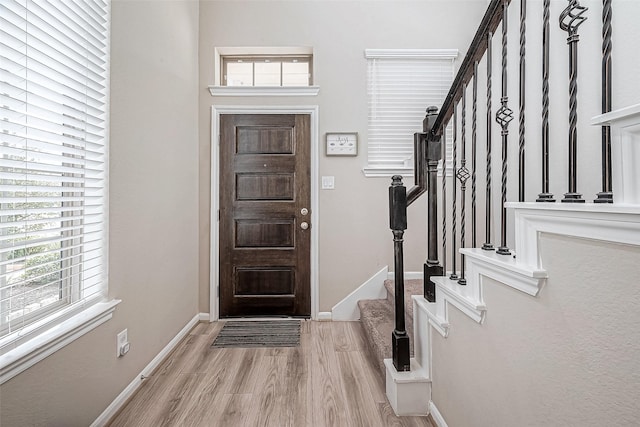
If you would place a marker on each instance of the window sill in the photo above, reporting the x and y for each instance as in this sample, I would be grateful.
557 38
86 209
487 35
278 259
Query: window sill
377 172
264 90
28 354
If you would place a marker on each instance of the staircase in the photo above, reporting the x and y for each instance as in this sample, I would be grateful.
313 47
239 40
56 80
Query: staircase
377 318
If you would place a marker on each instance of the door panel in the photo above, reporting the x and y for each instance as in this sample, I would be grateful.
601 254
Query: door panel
265 184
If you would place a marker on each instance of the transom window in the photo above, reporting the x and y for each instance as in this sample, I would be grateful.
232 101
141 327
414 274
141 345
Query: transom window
266 70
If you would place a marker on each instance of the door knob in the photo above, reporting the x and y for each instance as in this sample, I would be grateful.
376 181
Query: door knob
304 225
304 211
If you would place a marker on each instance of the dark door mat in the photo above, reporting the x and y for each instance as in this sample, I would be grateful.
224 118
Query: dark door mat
270 333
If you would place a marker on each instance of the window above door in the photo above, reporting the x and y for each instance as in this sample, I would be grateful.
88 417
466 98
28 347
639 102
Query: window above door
261 71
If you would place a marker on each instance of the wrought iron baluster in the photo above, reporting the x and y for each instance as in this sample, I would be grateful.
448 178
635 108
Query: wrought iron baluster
487 228
521 98
454 275
463 174
444 200
504 115
545 196
570 19
474 120
606 195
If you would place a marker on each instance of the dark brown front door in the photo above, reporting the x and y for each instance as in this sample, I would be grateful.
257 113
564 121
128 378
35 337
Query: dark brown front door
265 217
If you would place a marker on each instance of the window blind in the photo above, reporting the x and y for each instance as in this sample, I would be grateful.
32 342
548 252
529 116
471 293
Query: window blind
53 162
400 87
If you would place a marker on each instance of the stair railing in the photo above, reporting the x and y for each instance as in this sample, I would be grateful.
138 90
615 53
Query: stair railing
429 148
426 157
454 112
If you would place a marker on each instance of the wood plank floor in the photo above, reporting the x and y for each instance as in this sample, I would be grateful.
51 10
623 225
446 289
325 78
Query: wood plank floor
328 380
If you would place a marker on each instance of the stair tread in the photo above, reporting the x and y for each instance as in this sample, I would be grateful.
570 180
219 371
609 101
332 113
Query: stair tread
378 321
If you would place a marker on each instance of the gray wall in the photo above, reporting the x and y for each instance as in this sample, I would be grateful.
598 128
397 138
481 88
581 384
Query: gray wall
571 356
153 220
355 241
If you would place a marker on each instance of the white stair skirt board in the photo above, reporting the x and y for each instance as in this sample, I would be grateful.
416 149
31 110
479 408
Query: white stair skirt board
133 386
372 288
408 392
524 271
625 152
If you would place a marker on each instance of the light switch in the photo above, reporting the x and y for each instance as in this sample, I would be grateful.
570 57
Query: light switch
328 182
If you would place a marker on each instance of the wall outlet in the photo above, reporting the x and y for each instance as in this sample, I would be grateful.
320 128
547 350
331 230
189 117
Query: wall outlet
122 343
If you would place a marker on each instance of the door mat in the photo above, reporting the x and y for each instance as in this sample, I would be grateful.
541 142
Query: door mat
270 333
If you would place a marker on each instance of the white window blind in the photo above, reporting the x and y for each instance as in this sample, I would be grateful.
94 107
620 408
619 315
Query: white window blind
401 84
53 162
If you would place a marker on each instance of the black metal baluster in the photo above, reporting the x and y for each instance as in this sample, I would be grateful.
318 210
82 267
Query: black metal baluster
504 115
474 120
444 201
432 266
521 128
570 19
454 275
398 223
606 195
487 228
463 174
545 196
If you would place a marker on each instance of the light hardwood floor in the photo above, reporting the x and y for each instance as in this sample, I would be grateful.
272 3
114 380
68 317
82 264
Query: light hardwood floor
327 381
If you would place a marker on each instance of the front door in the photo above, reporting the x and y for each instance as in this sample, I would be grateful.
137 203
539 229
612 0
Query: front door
265 217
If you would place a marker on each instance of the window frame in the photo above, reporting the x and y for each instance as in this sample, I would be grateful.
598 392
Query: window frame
48 328
406 170
255 59
217 89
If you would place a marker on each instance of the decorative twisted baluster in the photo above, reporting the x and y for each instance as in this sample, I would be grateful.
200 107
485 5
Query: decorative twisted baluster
463 175
606 195
504 115
487 228
444 201
521 105
454 275
570 19
545 196
474 120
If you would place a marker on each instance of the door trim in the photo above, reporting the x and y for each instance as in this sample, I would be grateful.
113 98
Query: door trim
214 242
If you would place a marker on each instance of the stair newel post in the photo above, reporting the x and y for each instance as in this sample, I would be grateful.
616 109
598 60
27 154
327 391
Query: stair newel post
570 19
398 223
433 140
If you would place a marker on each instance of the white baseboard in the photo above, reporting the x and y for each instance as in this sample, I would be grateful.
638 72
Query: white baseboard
436 415
324 316
123 397
204 317
373 288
